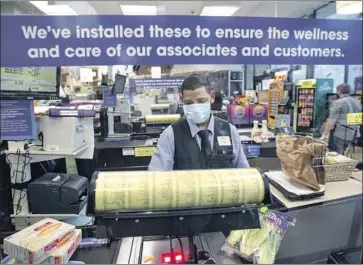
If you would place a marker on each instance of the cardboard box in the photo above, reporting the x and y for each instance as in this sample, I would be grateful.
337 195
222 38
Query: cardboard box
35 243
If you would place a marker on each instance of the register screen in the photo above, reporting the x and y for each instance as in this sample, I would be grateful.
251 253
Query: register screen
35 82
251 150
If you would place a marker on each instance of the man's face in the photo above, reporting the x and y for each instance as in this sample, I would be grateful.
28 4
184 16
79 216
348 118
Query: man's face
196 96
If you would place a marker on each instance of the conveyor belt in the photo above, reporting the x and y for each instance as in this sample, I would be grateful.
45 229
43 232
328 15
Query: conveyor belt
146 250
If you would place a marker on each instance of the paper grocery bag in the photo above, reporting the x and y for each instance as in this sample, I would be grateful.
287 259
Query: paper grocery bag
301 159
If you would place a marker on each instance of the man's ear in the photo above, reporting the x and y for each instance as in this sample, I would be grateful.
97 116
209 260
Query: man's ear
212 96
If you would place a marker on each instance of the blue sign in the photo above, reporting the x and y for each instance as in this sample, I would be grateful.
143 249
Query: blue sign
17 120
156 82
161 40
109 98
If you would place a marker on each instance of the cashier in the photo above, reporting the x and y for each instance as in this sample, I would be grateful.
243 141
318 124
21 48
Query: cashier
335 130
198 140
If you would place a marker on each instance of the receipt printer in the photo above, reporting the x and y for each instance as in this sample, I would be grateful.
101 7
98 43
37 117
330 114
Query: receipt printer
55 193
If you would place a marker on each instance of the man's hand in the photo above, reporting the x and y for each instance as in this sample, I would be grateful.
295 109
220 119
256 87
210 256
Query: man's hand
324 138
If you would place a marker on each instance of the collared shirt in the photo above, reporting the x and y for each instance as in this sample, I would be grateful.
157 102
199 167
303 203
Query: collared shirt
163 158
338 112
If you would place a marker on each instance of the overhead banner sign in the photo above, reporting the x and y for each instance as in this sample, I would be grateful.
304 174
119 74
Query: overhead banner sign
170 82
160 40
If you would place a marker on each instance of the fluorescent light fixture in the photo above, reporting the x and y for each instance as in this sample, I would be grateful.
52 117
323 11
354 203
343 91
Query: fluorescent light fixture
219 11
54 10
139 10
348 7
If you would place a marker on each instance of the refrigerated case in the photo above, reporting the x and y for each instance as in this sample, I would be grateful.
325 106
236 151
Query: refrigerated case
275 93
310 111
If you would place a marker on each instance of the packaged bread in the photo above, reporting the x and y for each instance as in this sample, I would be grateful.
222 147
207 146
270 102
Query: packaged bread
65 250
35 243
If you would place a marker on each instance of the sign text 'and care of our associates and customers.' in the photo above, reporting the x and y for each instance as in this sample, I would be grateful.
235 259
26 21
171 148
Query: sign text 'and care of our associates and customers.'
111 40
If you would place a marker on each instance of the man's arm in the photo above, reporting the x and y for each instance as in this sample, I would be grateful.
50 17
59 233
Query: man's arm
240 160
332 119
163 157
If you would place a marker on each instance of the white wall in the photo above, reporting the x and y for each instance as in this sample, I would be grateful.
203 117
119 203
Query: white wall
330 71
299 74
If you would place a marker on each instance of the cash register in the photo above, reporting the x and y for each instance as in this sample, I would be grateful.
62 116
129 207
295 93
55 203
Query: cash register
55 193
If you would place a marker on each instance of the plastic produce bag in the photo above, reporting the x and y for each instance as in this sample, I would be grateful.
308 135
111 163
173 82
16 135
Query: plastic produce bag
261 245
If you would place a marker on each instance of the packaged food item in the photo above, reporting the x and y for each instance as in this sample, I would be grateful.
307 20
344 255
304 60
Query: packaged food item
261 245
256 133
60 255
265 133
35 243
65 250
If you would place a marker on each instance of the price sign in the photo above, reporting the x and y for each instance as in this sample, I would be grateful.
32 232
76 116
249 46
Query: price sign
68 113
308 83
354 118
144 151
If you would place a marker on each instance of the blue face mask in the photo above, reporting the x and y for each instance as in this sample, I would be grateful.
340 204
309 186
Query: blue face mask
197 113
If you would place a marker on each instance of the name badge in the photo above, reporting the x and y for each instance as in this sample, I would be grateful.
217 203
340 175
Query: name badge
224 141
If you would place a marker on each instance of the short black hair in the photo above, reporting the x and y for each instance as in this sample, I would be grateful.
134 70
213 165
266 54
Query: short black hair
194 82
344 89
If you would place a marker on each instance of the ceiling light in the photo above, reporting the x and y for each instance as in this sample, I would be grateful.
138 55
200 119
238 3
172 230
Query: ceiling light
219 11
348 7
139 10
55 10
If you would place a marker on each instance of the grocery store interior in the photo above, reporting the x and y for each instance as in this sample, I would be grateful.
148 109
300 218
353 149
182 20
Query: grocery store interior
187 162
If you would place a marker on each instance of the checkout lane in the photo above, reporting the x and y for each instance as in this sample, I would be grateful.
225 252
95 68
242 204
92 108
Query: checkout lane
300 245
284 256
340 198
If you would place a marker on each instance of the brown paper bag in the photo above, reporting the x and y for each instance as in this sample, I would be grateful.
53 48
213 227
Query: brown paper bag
301 159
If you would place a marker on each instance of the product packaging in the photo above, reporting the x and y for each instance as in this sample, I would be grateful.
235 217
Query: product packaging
261 245
238 114
35 243
256 133
265 133
63 253
258 112
301 159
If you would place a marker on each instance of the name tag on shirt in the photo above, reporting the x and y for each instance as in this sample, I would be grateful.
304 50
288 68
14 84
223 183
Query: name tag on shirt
224 141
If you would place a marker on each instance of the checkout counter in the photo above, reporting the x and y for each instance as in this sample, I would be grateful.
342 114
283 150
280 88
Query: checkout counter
156 225
133 153
323 225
